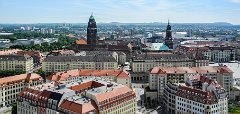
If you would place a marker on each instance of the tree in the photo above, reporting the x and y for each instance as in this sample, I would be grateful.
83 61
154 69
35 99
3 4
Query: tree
14 108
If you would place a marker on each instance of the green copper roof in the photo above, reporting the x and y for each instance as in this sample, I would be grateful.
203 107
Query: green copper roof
91 17
164 47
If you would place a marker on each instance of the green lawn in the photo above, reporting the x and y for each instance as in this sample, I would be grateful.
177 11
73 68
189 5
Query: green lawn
234 110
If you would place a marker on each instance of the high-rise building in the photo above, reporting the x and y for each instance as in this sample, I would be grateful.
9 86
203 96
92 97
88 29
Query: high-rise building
168 38
92 31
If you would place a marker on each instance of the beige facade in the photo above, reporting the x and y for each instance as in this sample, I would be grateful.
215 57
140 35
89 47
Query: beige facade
63 66
16 62
144 64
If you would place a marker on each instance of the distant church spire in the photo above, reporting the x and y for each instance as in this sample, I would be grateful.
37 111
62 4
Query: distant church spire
168 38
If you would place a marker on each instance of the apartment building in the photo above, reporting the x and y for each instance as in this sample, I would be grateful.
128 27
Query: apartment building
144 62
198 95
213 53
89 96
119 56
62 53
160 76
16 62
37 56
12 85
118 76
63 63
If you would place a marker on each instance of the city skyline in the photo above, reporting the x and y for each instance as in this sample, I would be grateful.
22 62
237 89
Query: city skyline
125 11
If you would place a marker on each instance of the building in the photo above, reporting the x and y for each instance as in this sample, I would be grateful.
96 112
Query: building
23 42
16 62
62 53
145 61
213 53
64 63
198 95
119 56
5 41
118 76
168 38
222 54
37 56
92 31
160 76
156 47
12 85
94 45
235 93
90 96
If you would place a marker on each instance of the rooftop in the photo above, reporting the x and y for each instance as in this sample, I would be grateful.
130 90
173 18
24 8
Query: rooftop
182 70
78 97
59 76
22 78
15 57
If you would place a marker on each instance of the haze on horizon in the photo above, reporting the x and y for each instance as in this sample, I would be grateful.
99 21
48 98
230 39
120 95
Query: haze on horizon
125 11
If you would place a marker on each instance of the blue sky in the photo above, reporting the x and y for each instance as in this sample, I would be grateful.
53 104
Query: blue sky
78 11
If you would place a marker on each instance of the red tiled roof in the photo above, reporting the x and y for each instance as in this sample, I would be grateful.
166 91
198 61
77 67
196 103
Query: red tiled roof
115 92
21 78
81 41
9 52
198 95
87 72
86 85
78 108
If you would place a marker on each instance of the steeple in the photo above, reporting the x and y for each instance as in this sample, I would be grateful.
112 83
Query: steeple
169 26
168 38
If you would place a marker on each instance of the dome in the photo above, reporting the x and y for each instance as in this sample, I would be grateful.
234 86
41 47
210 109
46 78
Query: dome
91 17
164 48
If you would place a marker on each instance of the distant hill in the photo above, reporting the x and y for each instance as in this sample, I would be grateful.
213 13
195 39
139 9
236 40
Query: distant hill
223 24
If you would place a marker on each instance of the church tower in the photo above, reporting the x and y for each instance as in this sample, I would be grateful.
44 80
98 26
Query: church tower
92 31
168 38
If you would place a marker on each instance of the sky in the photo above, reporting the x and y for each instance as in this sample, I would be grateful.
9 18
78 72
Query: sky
126 11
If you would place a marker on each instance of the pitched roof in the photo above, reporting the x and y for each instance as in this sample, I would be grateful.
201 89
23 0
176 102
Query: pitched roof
179 70
81 41
8 52
77 107
20 78
115 92
60 76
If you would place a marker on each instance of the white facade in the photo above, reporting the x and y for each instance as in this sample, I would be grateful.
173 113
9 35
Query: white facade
9 90
186 106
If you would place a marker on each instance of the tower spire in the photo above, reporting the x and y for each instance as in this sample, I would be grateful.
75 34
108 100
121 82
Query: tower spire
168 22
